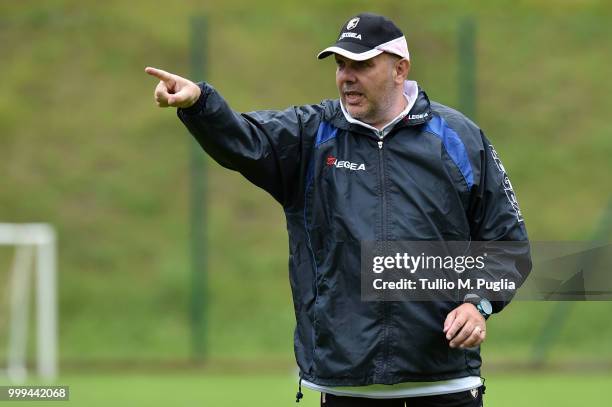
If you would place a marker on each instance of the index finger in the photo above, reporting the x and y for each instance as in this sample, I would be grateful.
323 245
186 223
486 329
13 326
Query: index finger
159 74
455 327
450 318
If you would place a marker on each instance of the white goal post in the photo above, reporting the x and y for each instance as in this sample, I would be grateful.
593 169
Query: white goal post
35 256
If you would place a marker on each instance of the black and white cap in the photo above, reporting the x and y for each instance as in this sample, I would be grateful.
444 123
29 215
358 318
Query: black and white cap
367 35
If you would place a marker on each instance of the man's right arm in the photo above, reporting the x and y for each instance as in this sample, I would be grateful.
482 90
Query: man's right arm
264 146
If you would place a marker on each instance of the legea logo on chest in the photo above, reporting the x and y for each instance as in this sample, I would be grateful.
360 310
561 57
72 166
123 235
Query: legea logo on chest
334 162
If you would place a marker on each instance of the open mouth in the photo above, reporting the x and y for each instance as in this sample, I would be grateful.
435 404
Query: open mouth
352 97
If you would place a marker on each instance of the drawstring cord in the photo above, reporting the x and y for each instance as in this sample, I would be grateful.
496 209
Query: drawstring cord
299 394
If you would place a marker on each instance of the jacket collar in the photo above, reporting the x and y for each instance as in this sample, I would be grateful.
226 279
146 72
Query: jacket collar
417 112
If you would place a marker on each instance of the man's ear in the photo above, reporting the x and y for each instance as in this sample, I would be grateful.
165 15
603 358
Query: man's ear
402 69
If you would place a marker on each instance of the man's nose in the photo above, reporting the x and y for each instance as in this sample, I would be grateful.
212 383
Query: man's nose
347 75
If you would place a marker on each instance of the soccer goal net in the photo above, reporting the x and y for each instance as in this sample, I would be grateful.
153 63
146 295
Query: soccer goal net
28 292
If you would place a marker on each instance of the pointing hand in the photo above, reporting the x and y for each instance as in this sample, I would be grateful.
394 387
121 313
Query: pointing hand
173 90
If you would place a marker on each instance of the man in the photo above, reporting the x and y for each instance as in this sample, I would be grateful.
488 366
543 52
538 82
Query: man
382 163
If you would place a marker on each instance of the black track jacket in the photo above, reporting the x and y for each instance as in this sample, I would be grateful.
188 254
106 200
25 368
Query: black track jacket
434 176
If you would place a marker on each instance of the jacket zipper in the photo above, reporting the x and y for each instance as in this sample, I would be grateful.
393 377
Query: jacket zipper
381 162
383 238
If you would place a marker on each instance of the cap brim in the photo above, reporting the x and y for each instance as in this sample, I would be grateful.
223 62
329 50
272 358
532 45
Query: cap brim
350 50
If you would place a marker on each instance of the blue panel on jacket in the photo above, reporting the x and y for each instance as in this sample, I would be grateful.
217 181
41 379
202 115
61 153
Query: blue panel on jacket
325 133
453 145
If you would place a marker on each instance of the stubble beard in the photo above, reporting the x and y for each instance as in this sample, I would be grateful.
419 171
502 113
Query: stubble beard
375 112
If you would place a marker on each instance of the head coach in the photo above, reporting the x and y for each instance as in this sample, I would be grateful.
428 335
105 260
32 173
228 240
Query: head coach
381 163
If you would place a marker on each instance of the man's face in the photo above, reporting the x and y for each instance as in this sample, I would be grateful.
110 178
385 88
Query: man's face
367 88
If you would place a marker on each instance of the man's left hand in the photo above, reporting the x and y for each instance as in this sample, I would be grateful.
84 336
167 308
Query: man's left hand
465 327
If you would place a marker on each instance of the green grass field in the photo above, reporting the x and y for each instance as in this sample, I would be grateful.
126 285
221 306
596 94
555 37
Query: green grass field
503 390
83 147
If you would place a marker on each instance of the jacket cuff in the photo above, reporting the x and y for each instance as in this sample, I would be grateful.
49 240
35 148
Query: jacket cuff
198 106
